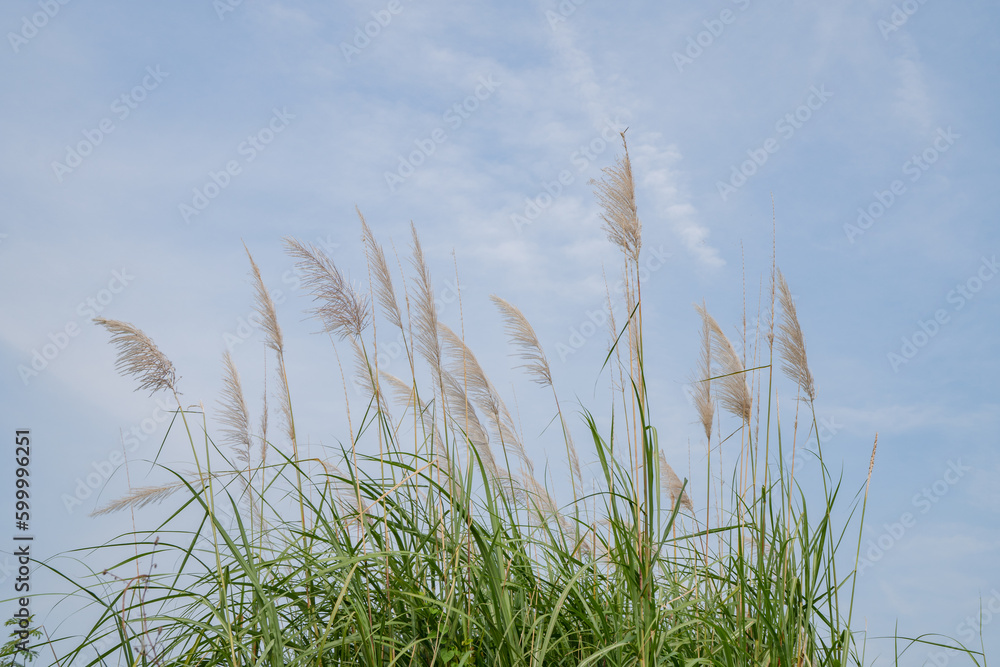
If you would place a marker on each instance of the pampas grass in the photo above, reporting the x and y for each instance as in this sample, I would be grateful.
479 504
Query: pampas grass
463 364
235 416
341 310
702 385
440 552
274 340
616 195
523 336
382 278
138 356
732 389
674 486
791 342
425 320
142 496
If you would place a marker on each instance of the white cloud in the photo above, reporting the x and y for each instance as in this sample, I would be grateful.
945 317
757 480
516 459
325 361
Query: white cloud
658 177
911 100
916 416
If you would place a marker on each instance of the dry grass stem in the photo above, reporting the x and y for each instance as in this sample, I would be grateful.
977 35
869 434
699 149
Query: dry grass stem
574 459
138 356
252 502
149 495
616 194
466 420
344 492
635 340
673 485
463 363
703 403
263 417
384 291
265 306
407 395
522 335
791 342
364 374
871 466
538 499
275 341
733 392
285 407
235 416
426 336
342 310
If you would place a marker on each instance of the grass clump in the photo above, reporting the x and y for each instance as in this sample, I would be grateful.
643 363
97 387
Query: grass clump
444 548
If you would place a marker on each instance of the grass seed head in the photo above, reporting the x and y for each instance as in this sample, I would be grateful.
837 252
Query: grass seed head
139 357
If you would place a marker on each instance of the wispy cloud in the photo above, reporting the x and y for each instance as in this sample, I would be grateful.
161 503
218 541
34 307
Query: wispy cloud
660 179
902 418
911 101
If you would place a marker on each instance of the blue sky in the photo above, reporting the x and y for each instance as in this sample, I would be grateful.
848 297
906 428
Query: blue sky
144 144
